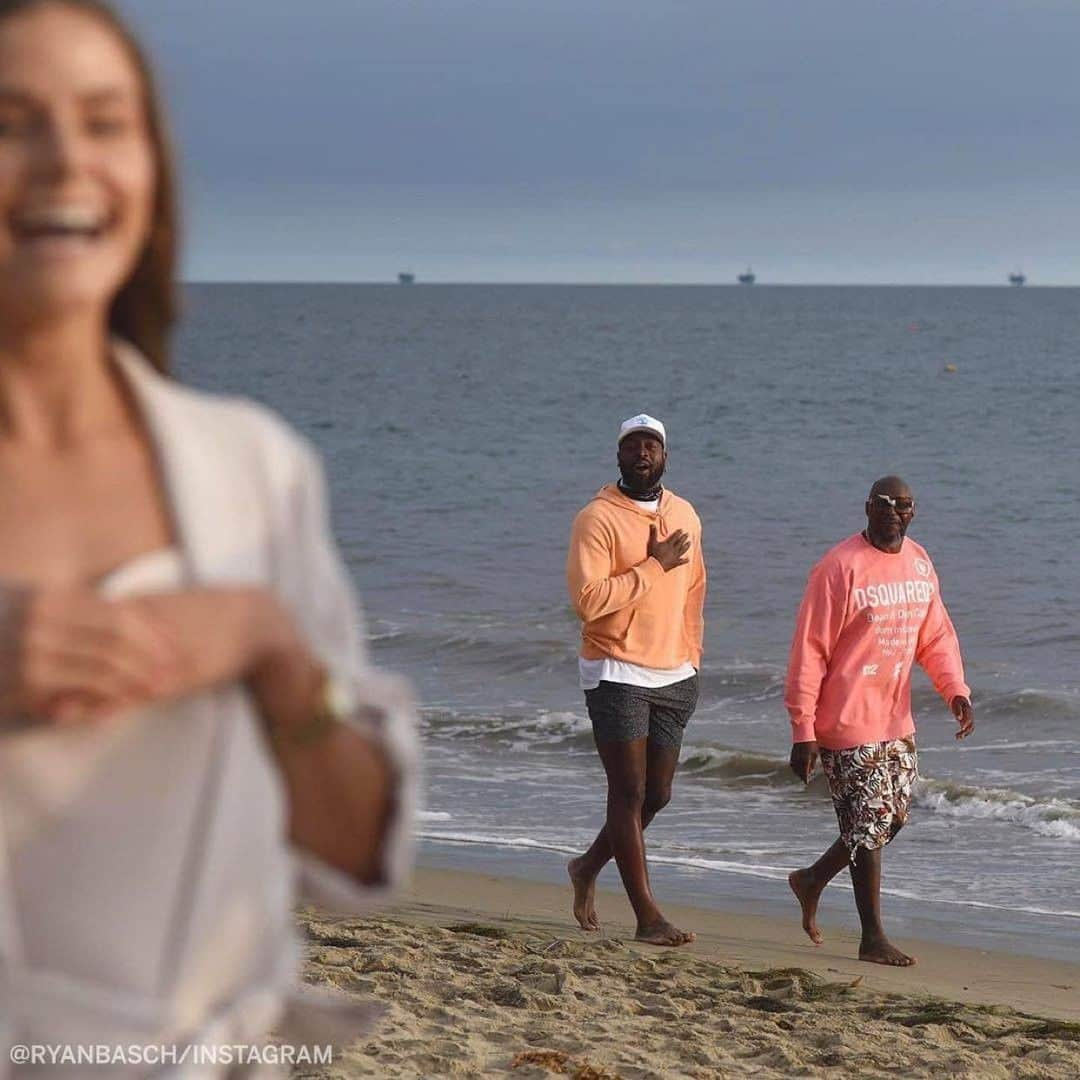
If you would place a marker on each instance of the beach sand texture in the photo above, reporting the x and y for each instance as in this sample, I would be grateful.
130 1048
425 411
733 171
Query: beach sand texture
472 991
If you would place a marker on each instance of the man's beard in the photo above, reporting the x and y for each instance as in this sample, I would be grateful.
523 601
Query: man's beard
892 534
642 484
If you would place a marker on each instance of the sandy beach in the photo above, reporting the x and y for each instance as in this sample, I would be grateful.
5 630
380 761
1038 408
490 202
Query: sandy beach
487 976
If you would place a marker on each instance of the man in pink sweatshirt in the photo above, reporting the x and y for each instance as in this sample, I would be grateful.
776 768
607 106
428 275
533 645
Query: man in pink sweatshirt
872 609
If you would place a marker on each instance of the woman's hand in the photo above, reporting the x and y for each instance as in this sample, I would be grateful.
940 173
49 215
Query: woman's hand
222 634
69 655
241 634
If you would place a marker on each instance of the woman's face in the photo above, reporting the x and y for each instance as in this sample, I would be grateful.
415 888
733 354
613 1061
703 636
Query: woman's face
77 168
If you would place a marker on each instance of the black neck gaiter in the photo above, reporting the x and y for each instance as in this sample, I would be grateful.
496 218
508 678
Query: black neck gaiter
641 496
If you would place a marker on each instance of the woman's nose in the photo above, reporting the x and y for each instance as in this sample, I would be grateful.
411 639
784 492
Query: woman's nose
58 150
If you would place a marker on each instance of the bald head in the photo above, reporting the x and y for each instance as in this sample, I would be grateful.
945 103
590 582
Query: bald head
893 486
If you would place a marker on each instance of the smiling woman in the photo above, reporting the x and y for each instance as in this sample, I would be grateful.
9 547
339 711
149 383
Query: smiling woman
186 714
111 114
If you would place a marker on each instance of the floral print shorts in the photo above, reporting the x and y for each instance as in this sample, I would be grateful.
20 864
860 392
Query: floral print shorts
871 789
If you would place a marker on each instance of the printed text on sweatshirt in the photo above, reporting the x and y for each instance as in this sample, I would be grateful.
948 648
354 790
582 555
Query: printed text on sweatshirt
630 607
866 617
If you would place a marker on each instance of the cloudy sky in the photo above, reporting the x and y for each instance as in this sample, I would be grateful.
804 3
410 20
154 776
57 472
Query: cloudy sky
625 140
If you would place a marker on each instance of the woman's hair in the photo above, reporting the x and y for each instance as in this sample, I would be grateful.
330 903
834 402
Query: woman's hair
145 308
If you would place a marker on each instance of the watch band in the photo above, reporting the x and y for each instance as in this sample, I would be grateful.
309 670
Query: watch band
334 704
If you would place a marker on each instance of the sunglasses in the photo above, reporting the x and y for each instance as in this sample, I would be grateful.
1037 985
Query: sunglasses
901 505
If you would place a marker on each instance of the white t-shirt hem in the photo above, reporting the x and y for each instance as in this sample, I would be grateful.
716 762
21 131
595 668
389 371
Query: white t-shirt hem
593 672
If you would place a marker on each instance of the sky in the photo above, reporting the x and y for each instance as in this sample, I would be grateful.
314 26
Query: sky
818 141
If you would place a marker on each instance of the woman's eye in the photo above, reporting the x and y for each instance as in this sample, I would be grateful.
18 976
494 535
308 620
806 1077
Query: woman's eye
106 125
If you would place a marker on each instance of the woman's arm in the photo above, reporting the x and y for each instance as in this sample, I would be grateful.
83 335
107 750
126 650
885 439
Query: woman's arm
340 781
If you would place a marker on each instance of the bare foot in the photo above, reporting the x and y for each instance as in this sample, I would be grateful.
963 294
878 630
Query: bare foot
882 951
662 932
584 896
801 882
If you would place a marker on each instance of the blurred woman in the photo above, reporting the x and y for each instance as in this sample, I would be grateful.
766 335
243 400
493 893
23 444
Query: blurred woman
188 729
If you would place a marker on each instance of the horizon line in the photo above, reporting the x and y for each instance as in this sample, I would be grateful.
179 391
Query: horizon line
635 284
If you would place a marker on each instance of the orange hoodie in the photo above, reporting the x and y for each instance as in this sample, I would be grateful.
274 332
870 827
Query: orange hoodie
631 608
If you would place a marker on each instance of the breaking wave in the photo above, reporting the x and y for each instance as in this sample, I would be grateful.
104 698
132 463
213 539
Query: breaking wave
1031 703
534 728
739 767
1057 818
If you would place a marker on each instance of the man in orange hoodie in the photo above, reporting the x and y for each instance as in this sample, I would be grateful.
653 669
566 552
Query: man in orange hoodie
872 610
637 580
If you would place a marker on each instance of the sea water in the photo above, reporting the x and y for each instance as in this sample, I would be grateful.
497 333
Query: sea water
464 426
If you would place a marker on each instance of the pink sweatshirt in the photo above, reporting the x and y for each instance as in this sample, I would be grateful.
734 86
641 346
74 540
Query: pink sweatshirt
867 615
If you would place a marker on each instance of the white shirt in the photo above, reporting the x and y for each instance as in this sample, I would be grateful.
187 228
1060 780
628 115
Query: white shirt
146 877
593 672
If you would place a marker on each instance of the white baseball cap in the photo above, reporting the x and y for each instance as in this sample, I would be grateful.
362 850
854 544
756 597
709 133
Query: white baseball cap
643 422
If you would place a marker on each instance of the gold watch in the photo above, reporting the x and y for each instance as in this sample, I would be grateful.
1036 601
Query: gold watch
335 704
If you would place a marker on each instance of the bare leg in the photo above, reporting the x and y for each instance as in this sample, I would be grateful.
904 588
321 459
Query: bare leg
809 884
660 765
875 947
626 767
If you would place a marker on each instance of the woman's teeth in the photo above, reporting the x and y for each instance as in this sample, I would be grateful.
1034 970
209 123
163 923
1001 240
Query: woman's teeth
60 221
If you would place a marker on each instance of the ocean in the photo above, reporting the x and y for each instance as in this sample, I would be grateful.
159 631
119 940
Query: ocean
464 426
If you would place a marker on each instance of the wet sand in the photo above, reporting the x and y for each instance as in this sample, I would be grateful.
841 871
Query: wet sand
487 976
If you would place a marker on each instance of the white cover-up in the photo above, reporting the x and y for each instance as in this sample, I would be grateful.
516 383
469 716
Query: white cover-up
146 880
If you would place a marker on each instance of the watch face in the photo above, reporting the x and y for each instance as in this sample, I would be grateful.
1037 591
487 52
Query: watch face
339 697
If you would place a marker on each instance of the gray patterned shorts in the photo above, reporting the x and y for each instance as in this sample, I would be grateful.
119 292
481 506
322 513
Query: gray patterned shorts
621 713
871 789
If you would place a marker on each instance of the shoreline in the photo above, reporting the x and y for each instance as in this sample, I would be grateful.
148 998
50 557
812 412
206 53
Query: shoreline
482 975
992 929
